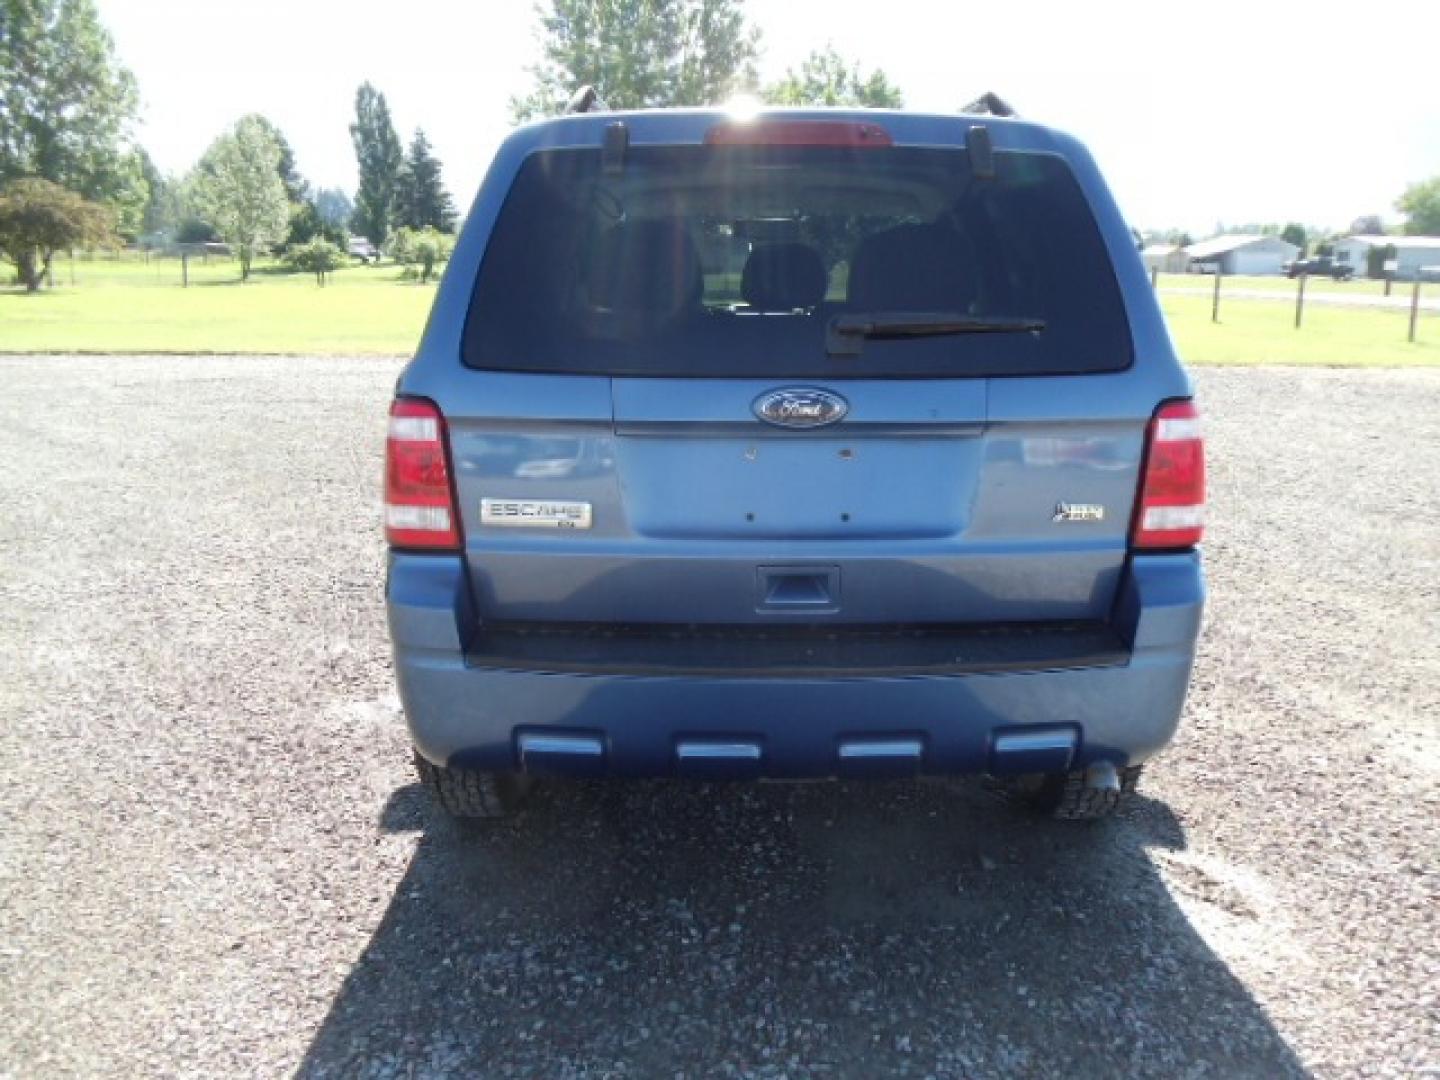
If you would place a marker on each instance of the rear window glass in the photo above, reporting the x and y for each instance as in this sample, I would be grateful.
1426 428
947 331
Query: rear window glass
718 261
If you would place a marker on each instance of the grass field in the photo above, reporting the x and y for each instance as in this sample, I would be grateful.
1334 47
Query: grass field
1263 332
129 307
133 306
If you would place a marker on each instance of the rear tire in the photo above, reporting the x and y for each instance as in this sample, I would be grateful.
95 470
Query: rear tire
1066 796
470 795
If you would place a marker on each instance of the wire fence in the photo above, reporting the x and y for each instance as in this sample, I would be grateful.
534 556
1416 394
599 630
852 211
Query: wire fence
75 269
198 264
1411 299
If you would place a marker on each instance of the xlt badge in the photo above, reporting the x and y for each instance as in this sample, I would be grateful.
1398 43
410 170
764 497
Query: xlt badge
535 513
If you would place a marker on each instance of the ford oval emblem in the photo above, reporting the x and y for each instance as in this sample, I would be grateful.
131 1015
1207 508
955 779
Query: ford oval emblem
801 407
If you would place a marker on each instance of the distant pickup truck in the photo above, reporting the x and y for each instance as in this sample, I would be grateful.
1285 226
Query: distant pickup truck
1320 266
362 249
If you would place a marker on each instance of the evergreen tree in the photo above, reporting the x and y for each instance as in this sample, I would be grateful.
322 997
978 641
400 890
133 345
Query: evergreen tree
308 224
378 153
160 213
334 207
424 203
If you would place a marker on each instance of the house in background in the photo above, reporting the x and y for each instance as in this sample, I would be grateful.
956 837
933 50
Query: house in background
1241 254
1167 258
1412 253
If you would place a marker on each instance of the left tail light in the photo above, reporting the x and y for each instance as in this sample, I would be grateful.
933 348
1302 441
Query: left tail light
419 497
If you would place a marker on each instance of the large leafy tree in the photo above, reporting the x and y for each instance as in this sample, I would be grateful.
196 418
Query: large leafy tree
827 78
1368 225
424 203
38 218
1421 206
297 189
640 53
66 103
381 161
305 224
237 189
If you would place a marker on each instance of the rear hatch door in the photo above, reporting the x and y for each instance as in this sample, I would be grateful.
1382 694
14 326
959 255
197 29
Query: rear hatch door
638 334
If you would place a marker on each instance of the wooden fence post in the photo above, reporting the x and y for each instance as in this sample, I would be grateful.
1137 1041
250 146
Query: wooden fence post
1155 277
184 269
1300 299
1415 306
1215 302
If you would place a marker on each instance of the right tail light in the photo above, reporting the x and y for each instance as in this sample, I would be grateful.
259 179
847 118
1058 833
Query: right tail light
1170 512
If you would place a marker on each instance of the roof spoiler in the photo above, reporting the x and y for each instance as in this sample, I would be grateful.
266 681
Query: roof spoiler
586 100
989 104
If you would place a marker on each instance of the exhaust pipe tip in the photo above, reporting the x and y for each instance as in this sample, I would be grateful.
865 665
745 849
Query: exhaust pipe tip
1102 776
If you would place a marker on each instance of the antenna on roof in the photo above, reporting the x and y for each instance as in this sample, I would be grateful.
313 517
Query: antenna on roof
989 103
586 99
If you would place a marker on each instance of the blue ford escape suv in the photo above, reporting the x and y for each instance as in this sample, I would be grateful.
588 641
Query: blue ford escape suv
815 444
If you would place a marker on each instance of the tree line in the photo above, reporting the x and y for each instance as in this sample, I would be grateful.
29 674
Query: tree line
1422 219
71 173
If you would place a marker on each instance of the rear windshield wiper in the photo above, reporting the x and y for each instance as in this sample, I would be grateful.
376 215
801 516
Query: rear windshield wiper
847 334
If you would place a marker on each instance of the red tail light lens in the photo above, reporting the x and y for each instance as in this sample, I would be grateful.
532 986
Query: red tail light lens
1171 509
419 501
797 133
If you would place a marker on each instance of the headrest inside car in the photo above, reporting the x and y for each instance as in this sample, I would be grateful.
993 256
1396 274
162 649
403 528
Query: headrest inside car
648 267
783 277
913 268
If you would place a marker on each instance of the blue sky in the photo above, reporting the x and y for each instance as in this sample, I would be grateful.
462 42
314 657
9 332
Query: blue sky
1198 113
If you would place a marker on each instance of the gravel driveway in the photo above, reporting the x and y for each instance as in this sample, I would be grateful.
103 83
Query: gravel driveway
215 859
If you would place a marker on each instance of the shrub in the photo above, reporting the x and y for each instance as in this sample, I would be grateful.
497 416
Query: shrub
419 251
318 257
306 224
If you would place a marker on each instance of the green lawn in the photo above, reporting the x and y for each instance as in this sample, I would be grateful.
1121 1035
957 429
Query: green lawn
129 305
1263 332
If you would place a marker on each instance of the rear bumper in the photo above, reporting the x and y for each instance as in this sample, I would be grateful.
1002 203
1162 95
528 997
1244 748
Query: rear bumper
463 709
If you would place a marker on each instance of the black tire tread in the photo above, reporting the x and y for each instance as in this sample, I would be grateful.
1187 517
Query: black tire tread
471 794
1066 796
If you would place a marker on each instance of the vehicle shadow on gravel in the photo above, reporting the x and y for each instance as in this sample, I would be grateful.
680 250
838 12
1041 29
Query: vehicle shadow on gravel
891 929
